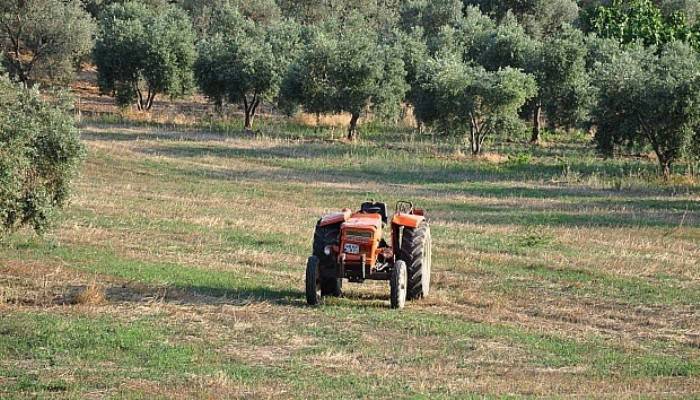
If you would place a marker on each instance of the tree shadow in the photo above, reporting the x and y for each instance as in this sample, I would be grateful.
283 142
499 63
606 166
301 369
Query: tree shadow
132 133
564 205
373 167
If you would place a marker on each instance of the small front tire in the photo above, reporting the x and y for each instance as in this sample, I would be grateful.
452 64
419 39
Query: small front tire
313 281
332 287
398 284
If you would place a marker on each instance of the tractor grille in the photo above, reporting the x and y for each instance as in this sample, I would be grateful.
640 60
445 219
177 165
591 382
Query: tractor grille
360 236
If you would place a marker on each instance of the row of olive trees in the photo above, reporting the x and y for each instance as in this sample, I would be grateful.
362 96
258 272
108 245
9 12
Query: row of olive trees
470 68
463 71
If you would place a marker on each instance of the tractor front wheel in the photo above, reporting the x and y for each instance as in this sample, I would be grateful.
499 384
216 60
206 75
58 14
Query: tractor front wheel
398 284
327 236
332 287
313 281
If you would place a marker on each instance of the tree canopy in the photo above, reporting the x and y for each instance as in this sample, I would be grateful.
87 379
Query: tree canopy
651 99
454 94
632 20
347 69
43 40
142 51
40 151
555 63
243 61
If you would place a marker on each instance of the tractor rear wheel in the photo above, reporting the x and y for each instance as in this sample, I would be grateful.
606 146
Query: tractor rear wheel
398 284
327 236
416 251
313 281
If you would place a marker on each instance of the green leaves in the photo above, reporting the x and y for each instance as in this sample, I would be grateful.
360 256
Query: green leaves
40 151
141 51
242 61
629 21
350 69
651 99
43 40
454 94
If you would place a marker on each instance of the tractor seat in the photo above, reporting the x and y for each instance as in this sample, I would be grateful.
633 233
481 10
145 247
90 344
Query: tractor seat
375 208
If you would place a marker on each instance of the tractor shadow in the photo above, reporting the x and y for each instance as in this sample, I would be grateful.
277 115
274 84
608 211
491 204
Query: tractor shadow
179 295
135 293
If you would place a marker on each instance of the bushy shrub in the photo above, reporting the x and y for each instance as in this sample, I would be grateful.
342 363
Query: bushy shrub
39 154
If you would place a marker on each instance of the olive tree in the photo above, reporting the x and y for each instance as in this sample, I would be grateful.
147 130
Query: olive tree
430 16
40 152
689 8
347 70
96 7
378 14
649 99
44 39
243 62
557 62
142 52
565 91
541 18
454 94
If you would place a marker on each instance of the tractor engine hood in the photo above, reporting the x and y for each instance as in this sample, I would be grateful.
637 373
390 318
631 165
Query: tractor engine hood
364 221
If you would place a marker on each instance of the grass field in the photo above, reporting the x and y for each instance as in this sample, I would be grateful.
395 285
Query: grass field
177 272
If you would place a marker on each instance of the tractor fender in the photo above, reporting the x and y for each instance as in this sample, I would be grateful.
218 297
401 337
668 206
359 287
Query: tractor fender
407 220
335 218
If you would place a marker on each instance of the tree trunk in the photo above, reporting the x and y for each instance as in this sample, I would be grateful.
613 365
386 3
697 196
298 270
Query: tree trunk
352 130
473 140
475 134
250 110
665 161
665 168
219 106
16 62
139 100
536 124
149 100
248 125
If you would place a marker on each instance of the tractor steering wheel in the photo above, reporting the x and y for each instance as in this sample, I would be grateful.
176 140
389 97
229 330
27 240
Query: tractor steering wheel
404 207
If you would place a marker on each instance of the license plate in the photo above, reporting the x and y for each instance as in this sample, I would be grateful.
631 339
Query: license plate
351 248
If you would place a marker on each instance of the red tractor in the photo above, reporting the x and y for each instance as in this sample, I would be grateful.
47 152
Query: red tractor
351 246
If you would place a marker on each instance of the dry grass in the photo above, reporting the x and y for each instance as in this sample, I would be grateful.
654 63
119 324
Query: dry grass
91 295
311 120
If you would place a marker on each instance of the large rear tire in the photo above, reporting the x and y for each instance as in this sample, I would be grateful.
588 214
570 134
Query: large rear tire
416 251
313 281
327 236
398 285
